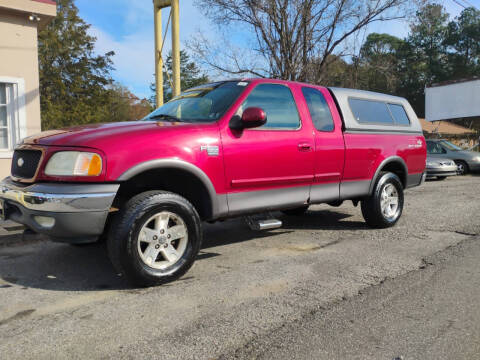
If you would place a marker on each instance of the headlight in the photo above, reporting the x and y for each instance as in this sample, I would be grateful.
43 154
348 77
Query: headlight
431 163
74 163
476 159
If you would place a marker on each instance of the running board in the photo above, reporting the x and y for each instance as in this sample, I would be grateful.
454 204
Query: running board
256 223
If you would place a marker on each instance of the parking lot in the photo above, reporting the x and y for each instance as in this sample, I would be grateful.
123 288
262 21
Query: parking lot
243 290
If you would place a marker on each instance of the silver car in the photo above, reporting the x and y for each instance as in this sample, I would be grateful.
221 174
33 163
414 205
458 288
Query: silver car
467 161
440 168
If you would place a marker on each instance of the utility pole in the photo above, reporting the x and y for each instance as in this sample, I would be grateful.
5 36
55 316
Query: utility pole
158 5
176 47
157 13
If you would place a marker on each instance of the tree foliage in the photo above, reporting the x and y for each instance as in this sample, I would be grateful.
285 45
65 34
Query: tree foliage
75 83
295 38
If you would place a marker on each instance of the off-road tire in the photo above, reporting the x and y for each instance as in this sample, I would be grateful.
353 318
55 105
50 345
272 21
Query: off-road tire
371 206
125 228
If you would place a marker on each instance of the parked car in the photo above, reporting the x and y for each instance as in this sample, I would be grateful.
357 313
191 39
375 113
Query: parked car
216 151
440 168
466 160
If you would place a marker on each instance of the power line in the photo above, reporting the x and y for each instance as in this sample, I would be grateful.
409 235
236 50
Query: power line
462 4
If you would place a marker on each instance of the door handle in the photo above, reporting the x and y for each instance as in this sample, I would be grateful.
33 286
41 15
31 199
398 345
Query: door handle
304 147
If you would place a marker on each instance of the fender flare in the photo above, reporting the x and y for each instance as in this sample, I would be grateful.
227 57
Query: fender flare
391 159
181 165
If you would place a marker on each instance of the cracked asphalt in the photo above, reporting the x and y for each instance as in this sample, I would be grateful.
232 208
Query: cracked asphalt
324 286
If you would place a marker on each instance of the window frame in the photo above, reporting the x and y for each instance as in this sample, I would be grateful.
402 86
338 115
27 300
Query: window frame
310 114
261 128
386 103
394 119
16 113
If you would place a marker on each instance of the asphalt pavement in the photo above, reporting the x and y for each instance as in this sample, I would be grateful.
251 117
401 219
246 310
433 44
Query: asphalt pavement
322 286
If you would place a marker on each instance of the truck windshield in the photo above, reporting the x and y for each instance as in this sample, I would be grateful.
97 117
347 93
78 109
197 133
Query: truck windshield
205 103
450 146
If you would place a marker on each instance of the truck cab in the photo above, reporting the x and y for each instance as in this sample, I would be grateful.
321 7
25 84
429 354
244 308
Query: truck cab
217 151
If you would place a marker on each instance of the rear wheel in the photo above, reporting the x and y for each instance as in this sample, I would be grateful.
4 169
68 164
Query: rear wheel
296 212
462 167
384 207
155 238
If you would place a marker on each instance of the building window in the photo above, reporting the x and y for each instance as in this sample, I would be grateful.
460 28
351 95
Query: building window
12 114
5 115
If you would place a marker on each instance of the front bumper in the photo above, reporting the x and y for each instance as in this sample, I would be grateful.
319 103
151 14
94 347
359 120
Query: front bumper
72 213
434 171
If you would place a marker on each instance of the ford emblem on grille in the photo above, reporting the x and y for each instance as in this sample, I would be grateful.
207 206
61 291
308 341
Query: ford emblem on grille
20 162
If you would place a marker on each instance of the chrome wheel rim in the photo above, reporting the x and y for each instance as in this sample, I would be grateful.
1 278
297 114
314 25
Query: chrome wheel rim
162 240
389 201
460 168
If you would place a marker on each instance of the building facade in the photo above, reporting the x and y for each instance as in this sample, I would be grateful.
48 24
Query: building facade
20 21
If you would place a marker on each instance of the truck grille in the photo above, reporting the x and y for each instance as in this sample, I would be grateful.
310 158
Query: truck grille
25 163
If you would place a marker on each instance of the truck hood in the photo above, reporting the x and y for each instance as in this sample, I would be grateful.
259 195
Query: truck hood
95 135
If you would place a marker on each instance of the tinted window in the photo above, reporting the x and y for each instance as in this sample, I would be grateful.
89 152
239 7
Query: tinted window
399 114
277 102
434 148
450 146
318 108
373 112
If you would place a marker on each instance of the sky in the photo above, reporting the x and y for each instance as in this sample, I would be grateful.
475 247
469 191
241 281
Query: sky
126 27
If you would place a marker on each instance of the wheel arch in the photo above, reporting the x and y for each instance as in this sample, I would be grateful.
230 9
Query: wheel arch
173 175
394 164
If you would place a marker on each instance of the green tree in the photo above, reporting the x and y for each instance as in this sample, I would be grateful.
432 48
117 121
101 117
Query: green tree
424 59
73 79
463 41
190 76
380 63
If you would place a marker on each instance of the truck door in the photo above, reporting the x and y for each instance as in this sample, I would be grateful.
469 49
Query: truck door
271 166
329 144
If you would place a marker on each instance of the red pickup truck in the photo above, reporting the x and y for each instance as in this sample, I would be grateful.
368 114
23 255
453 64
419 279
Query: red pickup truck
217 151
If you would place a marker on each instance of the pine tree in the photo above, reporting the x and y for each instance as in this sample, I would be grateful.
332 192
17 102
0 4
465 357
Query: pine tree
74 80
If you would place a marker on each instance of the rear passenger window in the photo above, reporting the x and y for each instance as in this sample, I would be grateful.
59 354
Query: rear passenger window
371 112
278 103
318 108
399 114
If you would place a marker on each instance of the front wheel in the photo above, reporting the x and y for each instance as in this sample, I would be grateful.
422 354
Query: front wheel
155 238
384 207
462 167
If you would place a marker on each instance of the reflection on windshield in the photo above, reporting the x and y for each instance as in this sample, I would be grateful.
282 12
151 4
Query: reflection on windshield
451 146
206 103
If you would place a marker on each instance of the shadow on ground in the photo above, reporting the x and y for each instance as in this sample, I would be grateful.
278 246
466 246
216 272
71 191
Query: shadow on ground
62 267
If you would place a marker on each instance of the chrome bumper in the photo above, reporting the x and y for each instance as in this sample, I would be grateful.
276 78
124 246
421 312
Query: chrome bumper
79 210
60 197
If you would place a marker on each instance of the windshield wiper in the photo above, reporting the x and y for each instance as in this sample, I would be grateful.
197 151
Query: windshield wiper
165 117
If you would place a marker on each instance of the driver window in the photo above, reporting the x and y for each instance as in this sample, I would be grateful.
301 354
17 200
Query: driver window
278 103
435 148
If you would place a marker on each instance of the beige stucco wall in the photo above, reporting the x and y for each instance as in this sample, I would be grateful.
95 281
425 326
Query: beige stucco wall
19 59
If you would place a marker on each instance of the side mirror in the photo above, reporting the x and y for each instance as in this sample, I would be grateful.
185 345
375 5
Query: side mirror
252 117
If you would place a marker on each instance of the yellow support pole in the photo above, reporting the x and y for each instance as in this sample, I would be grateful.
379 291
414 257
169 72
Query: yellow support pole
176 47
157 10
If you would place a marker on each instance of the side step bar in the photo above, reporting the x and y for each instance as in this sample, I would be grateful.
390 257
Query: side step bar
256 223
